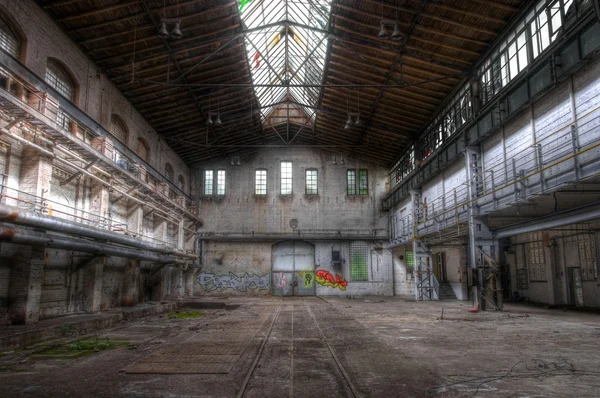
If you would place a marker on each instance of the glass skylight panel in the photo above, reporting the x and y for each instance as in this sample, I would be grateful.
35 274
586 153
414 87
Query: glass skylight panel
286 42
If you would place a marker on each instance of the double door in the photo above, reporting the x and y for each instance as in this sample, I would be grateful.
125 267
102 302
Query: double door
293 269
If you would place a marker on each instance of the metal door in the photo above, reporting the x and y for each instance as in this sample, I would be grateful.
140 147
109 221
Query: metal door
293 269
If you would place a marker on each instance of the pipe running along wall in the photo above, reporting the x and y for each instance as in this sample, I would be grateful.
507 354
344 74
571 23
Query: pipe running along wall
25 237
18 216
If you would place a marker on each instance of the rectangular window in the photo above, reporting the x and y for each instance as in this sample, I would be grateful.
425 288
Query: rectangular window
260 182
208 182
410 262
351 181
221 182
286 178
311 182
358 261
363 182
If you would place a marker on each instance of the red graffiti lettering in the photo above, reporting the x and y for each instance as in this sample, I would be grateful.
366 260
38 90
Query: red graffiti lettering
325 278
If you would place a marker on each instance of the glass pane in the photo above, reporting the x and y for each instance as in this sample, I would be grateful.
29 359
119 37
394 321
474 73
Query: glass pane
351 182
208 182
260 182
286 178
221 182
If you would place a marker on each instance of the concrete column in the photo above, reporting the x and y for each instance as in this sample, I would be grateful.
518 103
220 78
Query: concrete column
135 218
100 204
25 287
160 228
177 282
93 273
131 283
26 275
190 276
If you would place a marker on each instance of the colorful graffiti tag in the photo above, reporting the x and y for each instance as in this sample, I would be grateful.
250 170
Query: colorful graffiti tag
325 278
210 282
308 279
279 280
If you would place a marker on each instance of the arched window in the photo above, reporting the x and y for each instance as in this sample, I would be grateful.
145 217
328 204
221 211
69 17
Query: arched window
142 149
169 173
9 41
118 129
60 80
181 182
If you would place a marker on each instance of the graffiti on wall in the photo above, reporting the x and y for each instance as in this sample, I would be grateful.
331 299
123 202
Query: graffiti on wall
279 280
325 278
241 283
308 279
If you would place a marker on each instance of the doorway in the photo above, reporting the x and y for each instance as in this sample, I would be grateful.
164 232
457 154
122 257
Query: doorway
293 269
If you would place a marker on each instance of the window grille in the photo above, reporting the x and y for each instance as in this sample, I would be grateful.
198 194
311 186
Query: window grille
359 261
260 182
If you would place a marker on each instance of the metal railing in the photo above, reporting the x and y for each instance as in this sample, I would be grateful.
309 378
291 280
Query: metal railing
564 156
47 206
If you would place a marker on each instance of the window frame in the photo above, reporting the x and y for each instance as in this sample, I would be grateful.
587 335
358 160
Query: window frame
208 188
221 187
314 188
359 275
283 180
360 187
261 185
60 79
351 184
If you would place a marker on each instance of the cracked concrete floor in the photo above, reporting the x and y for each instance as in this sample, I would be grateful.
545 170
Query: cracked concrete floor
314 347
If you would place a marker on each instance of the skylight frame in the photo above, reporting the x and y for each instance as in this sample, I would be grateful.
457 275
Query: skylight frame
284 33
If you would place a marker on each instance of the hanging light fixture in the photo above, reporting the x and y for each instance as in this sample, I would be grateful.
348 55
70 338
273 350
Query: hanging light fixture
176 32
218 120
348 122
397 34
383 33
162 32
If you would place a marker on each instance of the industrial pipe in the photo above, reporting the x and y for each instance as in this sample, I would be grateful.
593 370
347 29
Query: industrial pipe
18 216
24 237
547 222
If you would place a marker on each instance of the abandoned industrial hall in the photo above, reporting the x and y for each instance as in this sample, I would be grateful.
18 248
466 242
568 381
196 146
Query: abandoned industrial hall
299 198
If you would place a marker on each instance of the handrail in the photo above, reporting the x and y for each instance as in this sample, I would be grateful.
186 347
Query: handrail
30 79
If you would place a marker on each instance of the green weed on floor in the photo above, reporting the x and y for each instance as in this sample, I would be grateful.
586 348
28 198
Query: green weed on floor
76 349
185 314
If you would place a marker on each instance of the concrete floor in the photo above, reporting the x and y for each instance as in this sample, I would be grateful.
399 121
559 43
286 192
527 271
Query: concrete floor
317 347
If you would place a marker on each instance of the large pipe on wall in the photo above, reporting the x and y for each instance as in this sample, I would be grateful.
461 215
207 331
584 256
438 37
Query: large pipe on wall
18 216
550 221
25 237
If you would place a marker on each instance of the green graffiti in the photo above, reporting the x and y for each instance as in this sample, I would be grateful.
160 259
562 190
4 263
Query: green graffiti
308 279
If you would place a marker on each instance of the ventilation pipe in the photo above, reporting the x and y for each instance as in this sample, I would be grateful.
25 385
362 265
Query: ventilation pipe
18 216
25 237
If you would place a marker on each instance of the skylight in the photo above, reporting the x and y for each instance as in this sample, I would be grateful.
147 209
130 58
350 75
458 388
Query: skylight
286 43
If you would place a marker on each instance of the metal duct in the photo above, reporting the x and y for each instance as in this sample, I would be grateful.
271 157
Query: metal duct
15 215
548 222
24 237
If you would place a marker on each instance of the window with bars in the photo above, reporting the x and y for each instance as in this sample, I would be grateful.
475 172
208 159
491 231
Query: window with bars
359 261
351 182
169 172
410 261
180 182
221 182
208 182
286 178
118 129
8 40
260 182
363 182
311 182
58 79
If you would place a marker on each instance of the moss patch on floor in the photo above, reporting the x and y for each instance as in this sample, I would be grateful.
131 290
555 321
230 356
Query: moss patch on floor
185 314
76 349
